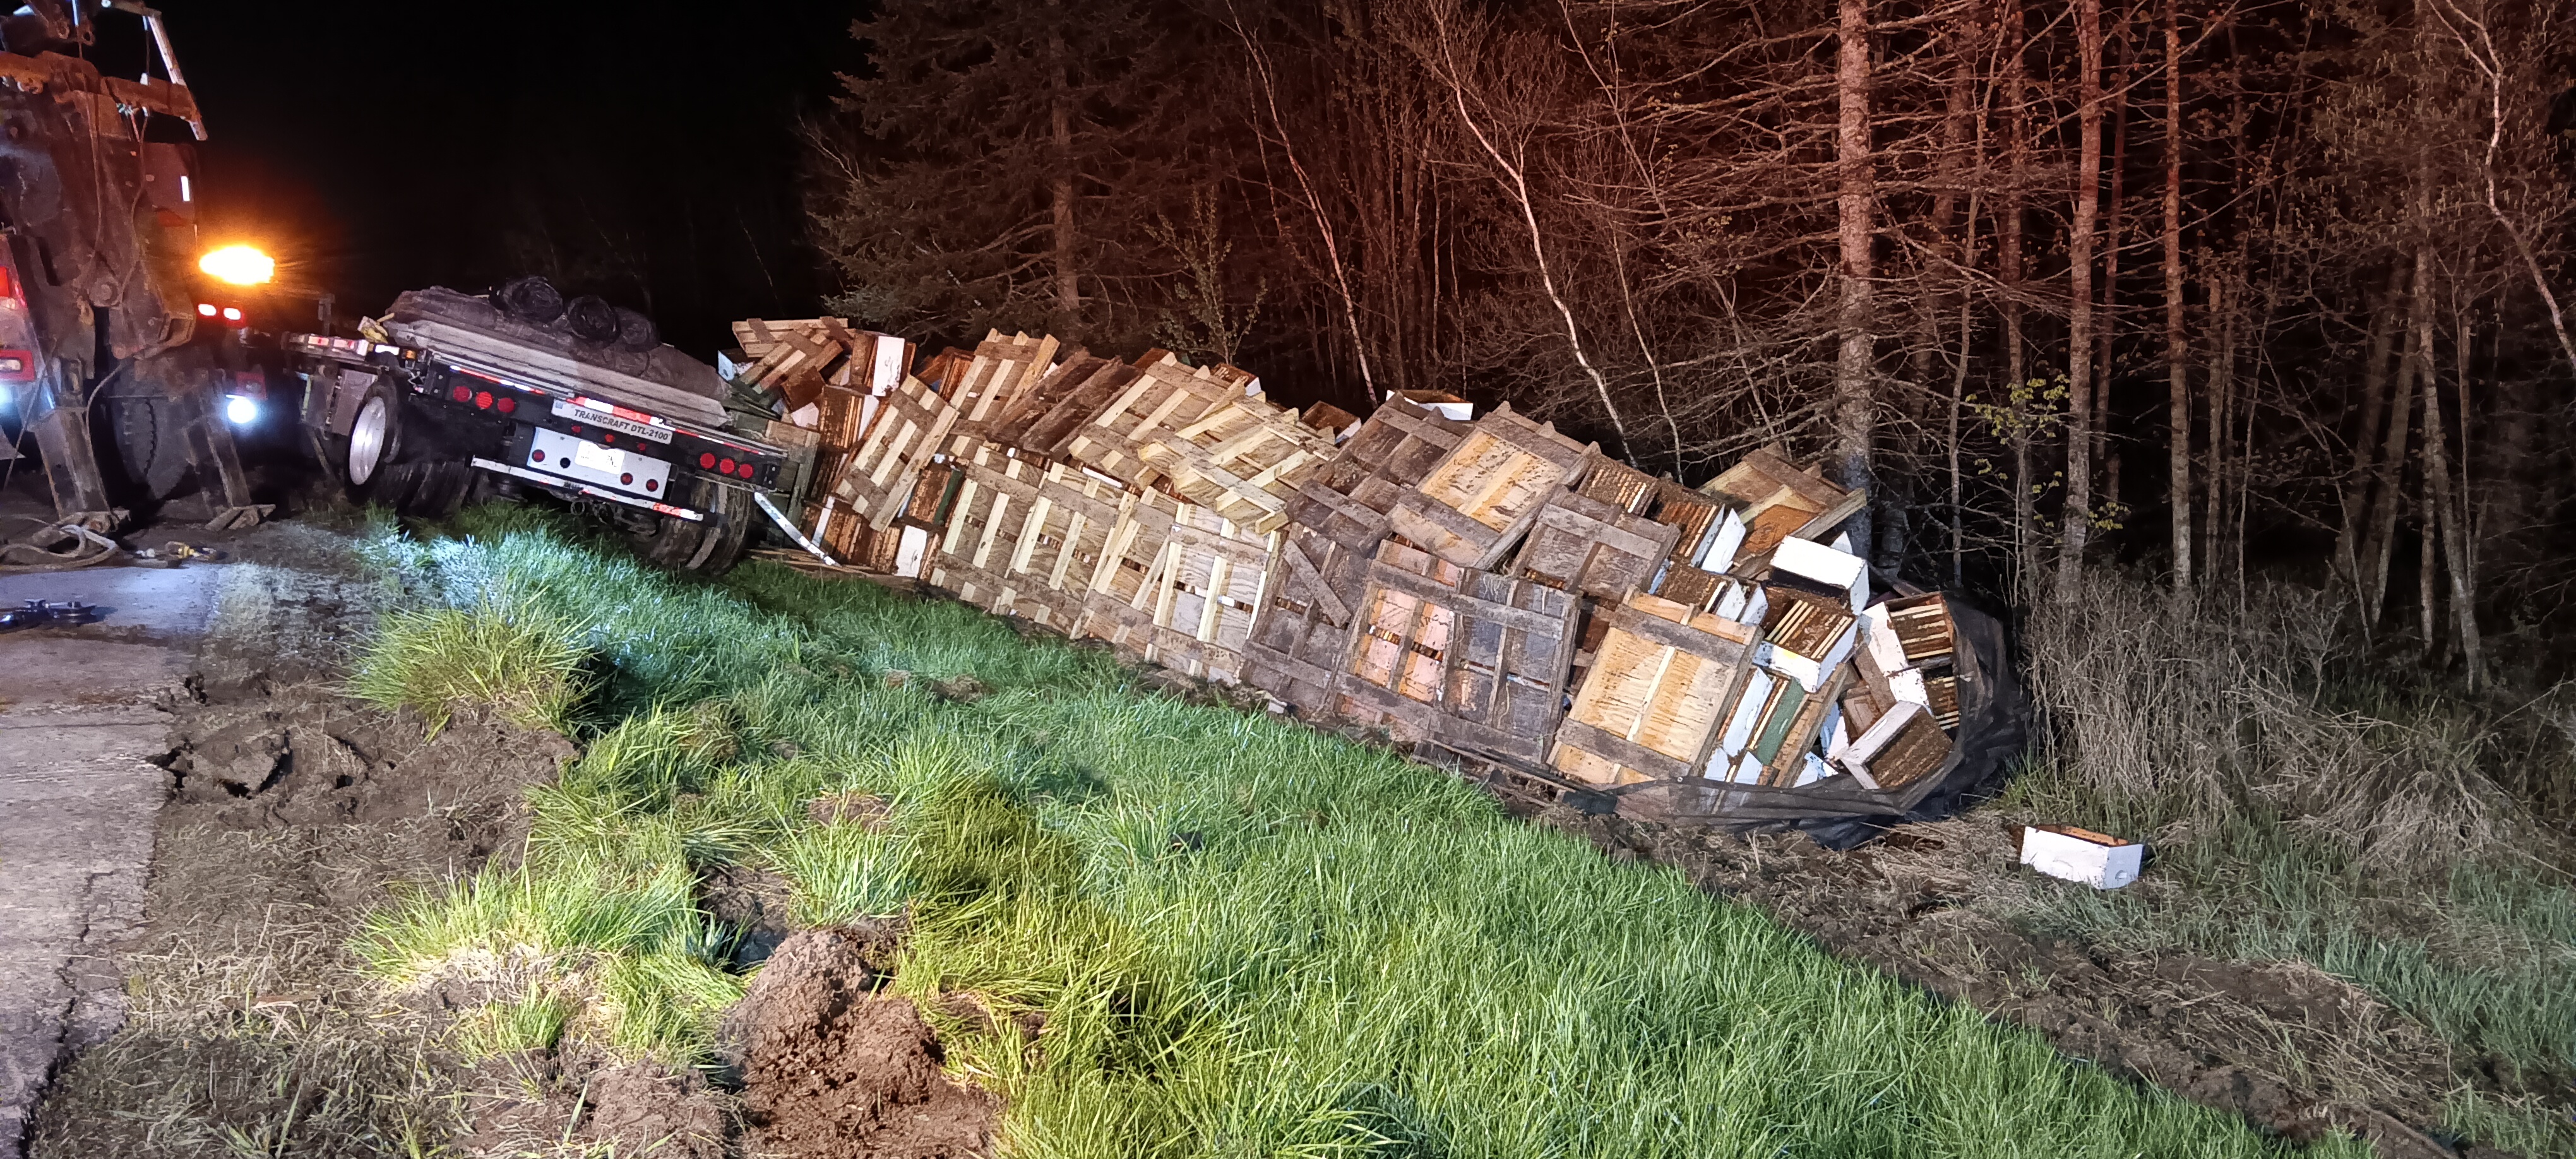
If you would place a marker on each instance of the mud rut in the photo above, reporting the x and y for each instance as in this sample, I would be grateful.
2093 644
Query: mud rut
296 811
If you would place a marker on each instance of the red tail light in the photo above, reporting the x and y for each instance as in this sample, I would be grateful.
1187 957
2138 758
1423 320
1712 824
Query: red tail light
706 460
483 400
505 404
17 366
724 466
461 393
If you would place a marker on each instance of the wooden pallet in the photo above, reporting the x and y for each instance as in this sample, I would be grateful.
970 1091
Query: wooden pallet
1392 452
876 478
1192 608
994 494
1468 660
1652 703
1472 509
1037 538
1004 369
1050 426
1299 635
1592 541
796 359
1242 459
1165 396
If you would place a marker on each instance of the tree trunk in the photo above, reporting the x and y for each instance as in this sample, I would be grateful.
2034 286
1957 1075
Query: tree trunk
2389 492
2078 520
2221 380
2008 259
2105 329
2444 519
2177 343
1068 282
1855 404
2356 490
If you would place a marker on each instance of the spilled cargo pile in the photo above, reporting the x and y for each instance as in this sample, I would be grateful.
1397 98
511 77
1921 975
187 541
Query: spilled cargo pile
1504 599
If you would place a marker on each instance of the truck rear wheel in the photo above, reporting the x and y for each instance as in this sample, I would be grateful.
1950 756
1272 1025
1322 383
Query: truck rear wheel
708 548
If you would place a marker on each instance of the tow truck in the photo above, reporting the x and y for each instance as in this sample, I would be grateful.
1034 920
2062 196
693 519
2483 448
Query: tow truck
450 396
101 343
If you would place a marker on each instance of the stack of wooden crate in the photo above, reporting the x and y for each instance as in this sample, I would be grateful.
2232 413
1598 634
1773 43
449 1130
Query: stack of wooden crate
1487 588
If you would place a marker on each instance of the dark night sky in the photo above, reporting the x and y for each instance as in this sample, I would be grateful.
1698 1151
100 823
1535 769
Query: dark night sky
647 146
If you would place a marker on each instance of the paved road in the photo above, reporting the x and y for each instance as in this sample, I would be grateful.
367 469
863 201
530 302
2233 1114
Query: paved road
81 710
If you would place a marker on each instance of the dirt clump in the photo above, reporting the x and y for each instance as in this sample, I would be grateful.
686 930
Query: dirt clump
833 1068
961 688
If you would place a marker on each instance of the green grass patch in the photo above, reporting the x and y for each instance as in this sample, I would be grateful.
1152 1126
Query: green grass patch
1229 934
521 664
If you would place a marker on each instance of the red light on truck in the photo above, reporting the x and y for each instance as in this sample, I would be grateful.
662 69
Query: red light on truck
724 466
536 456
706 460
505 404
460 392
483 400
232 314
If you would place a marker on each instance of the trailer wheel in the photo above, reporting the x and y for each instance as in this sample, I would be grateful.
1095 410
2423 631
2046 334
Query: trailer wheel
706 548
370 462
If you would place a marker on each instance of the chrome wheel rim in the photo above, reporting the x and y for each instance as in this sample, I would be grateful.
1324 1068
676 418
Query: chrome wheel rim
367 441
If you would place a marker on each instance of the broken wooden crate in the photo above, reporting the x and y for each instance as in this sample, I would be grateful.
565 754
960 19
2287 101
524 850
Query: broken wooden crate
1303 627
1472 508
1592 541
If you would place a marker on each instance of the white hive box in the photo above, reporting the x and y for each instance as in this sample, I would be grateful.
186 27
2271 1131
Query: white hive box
2097 860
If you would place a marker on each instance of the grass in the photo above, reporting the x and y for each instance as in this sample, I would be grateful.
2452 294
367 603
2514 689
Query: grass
1239 936
2301 811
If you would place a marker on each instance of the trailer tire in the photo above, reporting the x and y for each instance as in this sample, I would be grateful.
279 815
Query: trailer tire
707 548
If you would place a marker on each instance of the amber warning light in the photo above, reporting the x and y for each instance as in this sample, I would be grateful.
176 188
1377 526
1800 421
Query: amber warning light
239 264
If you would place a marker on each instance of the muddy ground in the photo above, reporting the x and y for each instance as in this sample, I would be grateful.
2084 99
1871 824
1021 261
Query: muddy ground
296 811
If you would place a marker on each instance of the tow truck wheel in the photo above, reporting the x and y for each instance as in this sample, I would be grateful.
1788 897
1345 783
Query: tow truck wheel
709 547
151 441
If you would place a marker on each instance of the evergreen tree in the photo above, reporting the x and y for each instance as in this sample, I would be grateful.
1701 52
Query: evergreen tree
1002 162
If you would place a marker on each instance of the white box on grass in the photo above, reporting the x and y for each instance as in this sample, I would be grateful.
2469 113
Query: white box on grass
2096 859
